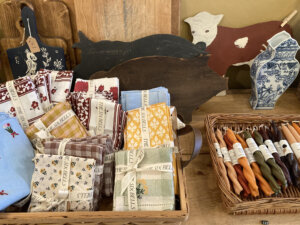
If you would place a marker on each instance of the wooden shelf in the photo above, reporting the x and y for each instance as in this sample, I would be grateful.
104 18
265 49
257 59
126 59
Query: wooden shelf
204 196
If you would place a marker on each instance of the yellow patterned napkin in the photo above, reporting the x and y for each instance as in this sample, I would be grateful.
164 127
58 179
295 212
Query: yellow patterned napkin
148 127
59 122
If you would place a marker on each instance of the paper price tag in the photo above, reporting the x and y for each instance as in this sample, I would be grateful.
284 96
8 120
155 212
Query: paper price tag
238 150
33 45
249 155
252 145
296 149
225 154
270 146
265 151
218 149
285 147
233 157
278 149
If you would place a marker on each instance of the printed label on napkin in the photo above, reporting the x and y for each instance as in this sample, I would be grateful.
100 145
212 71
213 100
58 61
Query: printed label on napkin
296 149
278 149
61 120
17 104
270 146
225 154
252 145
53 76
218 149
249 155
145 98
238 150
109 158
265 151
65 177
99 170
233 157
285 147
144 128
100 117
91 88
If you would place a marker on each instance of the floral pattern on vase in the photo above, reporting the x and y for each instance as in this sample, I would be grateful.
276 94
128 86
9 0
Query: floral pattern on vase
273 71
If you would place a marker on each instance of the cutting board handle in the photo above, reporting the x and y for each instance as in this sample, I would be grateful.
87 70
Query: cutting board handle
29 22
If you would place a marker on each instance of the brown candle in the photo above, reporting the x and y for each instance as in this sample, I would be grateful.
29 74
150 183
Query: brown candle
230 170
241 156
238 168
220 160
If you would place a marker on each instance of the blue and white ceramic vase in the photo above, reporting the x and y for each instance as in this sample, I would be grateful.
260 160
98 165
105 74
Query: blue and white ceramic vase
273 71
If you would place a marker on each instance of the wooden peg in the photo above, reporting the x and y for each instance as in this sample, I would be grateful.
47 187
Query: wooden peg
288 18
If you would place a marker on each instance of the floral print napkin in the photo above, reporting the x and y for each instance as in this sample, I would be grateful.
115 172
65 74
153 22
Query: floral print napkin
62 183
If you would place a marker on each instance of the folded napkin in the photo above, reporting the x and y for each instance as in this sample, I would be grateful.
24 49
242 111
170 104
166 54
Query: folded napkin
60 122
109 159
100 116
20 99
108 88
16 166
42 83
144 180
60 83
148 127
62 183
136 99
83 150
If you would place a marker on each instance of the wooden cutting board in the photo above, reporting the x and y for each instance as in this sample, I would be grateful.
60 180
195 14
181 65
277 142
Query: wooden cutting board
7 43
53 23
126 20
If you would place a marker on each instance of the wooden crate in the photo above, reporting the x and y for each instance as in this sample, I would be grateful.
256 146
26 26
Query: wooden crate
107 217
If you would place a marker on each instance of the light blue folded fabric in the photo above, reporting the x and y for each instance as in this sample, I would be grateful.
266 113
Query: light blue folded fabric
133 99
16 166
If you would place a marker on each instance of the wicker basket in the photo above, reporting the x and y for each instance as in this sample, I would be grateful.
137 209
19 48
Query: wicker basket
287 202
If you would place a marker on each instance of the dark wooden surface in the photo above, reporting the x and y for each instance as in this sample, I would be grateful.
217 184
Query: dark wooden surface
190 81
103 55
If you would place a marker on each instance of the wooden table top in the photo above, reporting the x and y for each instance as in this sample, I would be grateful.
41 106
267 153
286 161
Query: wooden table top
204 196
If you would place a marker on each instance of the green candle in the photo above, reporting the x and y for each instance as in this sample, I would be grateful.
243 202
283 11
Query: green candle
265 169
276 170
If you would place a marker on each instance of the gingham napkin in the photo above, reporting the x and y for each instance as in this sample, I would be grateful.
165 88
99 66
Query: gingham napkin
62 183
60 122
